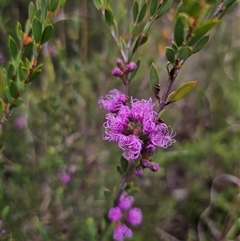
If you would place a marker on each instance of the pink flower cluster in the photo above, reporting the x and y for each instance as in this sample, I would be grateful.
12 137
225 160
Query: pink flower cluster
135 128
124 212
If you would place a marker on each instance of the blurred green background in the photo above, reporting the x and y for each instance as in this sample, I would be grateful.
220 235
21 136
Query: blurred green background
58 130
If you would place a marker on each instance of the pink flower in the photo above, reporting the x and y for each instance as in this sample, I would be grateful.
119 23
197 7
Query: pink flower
134 216
122 232
65 178
115 214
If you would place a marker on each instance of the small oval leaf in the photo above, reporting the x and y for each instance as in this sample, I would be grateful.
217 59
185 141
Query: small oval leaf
13 89
108 17
52 5
31 11
97 4
179 31
135 11
182 91
17 102
124 164
154 78
185 52
37 30
19 32
142 13
201 44
164 8
47 33
153 7
170 55
13 47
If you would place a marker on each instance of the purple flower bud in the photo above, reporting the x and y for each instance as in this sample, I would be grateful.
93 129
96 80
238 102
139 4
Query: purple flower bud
115 214
126 202
65 178
150 149
121 232
118 62
117 72
131 66
145 163
134 216
139 172
154 167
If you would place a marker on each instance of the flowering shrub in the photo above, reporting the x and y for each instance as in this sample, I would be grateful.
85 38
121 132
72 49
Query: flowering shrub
53 160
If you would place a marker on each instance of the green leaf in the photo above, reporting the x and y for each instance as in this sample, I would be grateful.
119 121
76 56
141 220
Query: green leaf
38 14
174 47
97 4
170 55
44 10
134 190
160 114
124 164
62 3
7 98
119 169
135 10
28 26
41 229
153 7
10 71
128 186
19 32
164 8
142 13
89 230
13 89
31 11
115 28
184 52
13 47
52 5
201 44
37 30
22 71
108 17
204 28
27 63
37 71
182 91
5 212
135 71
34 75
47 33
179 33
17 102
154 78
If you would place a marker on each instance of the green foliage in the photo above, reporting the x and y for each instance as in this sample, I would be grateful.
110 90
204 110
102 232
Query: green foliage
181 91
62 133
170 55
21 70
154 79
